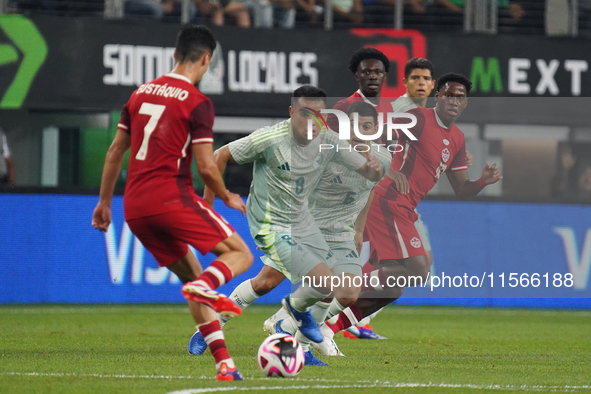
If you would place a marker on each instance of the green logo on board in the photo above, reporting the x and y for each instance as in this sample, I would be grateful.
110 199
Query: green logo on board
27 40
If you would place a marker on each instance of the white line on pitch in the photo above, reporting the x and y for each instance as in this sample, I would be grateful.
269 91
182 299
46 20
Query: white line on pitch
383 385
121 376
353 384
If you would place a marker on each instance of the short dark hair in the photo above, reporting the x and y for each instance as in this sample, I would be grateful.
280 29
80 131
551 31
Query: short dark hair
363 109
193 42
453 77
367 53
310 92
417 62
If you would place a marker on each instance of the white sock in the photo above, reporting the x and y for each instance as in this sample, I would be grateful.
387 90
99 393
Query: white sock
243 296
305 342
369 318
281 314
319 311
289 326
334 309
305 297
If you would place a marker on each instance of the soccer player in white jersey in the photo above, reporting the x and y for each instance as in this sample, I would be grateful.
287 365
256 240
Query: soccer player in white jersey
287 167
339 205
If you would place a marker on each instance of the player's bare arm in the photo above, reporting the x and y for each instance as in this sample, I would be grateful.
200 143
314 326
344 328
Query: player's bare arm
212 177
101 217
399 179
465 188
360 222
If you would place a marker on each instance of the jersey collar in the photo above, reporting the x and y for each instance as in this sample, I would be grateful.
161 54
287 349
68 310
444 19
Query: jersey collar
439 122
365 98
178 76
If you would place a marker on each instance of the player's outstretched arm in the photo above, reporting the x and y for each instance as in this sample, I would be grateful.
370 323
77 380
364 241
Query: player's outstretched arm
465 188
360 222
211 173
101 217
372 169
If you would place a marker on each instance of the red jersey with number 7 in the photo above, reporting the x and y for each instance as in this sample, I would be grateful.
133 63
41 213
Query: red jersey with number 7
164 118
437 150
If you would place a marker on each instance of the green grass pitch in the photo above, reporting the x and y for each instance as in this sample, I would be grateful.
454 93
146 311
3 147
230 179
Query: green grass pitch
142 349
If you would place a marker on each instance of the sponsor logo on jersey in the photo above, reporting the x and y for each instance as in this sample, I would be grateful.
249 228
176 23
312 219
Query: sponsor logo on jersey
284 166
445 142
445 154
415 242
336 179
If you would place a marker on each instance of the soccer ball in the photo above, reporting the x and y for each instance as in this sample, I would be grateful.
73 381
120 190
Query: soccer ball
281 355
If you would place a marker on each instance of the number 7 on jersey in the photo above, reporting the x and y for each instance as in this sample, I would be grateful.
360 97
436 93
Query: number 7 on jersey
155 112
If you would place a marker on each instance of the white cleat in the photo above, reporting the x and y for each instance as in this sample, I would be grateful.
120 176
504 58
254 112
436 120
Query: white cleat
269 325
328 347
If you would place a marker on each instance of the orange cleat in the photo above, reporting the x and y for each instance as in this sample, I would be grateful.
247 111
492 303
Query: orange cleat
228 374
217 301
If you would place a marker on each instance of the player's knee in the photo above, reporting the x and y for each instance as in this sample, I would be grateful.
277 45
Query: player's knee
347 293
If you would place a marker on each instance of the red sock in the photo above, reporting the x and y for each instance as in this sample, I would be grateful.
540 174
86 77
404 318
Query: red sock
347 318
214 337
215 275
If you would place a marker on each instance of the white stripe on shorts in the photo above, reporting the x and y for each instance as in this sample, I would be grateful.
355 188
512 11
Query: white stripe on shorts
401 242
223 225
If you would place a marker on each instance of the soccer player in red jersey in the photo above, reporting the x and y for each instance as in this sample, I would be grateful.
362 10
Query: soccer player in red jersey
165 123
370 68
396 250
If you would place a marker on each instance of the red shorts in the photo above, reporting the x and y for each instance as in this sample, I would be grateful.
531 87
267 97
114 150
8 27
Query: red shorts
391 230
166 235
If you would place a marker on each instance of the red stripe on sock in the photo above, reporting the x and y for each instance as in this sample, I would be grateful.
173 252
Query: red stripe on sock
217 347
343 321
358 315
219 350
223 269
213 280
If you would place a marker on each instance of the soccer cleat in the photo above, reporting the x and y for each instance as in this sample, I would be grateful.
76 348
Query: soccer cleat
328 347
228 374
312 360
197 344
279 329
351 332
365 332
269 325
219 302
304 321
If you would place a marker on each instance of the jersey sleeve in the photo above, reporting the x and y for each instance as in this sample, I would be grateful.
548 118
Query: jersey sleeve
416 130
125 121
249 148
201 123
459 161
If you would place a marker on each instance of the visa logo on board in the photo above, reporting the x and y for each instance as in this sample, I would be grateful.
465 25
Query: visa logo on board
578 264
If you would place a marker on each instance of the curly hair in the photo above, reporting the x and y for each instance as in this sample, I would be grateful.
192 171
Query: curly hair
367 53
453 77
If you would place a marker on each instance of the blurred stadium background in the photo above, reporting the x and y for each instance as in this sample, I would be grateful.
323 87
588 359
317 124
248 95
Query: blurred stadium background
68 66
